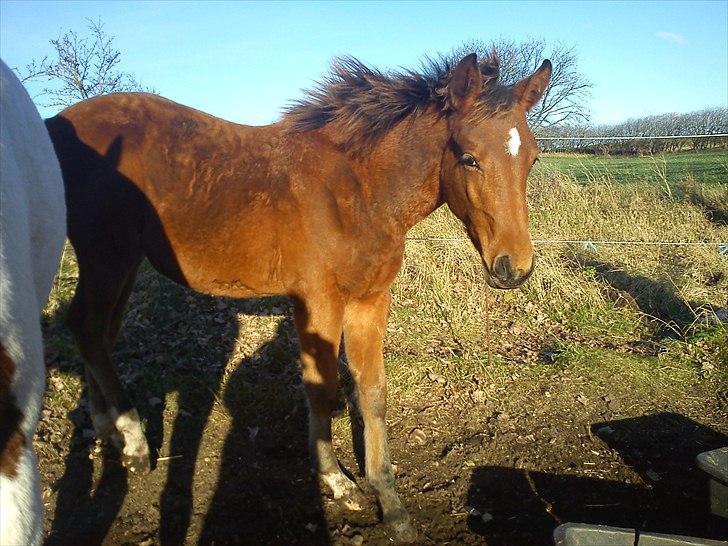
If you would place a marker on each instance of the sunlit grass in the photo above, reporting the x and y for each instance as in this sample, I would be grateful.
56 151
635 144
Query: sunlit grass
446 326
706 167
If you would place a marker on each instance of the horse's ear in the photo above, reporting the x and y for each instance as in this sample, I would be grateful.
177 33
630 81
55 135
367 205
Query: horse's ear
465 84
529 90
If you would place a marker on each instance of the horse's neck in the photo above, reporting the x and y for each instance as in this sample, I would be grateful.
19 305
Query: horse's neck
403 171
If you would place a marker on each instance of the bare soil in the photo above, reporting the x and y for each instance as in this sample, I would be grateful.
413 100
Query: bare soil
479 461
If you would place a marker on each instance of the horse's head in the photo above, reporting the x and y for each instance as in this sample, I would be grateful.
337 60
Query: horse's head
486 164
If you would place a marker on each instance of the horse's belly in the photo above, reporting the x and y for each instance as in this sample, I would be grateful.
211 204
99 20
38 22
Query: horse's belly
242 273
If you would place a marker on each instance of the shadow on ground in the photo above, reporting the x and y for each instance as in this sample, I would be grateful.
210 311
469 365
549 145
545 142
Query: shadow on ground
714 210
653 297
673 497
172 354
266 492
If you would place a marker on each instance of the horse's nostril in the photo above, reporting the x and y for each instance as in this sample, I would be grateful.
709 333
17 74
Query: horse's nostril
502 268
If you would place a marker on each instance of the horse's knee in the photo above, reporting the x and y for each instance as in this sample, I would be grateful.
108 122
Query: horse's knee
321 398
373 402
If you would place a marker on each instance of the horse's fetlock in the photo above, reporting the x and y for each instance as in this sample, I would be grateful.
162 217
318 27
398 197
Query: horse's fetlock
397 515
383 481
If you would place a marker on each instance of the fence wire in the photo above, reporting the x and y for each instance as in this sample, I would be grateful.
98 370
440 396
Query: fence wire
591 245
717 135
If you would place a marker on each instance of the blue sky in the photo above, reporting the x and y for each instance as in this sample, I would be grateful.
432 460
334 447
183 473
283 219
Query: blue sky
244 61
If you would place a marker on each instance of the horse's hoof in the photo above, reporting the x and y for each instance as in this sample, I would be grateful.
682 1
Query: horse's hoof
403 531
137 464
400 525
354 500
346 493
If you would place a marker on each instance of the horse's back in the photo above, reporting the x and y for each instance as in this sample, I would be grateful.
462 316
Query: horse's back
32 231
223 208
215 205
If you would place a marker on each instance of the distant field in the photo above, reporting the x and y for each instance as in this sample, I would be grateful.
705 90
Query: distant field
708 166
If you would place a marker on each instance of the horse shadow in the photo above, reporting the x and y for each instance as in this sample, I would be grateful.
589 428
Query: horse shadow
267 493
524 507
87 502
653 297
714 210
174 353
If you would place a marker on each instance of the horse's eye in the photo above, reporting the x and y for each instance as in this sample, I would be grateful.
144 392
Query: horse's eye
470 162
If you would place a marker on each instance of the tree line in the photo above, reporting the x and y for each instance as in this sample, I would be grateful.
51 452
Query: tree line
708 121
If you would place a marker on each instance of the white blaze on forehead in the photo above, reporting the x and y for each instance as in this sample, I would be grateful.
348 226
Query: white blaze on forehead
514 142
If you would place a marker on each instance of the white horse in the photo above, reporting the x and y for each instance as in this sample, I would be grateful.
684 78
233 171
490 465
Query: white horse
32 231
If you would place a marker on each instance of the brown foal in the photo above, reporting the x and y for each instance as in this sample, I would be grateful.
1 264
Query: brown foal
315 207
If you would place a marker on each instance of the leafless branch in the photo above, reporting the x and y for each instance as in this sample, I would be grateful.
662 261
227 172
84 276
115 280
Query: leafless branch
84 66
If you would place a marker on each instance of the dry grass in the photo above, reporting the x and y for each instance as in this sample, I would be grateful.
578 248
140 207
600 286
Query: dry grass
663 296
447 326
566 275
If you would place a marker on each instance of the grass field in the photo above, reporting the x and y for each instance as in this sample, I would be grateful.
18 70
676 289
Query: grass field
623 293
703 167
483 384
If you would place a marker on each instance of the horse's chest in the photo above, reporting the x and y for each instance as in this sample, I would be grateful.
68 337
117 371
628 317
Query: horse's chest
372 267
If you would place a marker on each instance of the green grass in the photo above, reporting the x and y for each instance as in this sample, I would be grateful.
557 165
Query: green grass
637 309
640 308
706 167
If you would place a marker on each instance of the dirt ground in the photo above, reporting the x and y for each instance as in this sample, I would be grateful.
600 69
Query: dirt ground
478 462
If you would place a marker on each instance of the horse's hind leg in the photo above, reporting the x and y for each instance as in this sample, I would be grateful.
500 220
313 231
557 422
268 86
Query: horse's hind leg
94 318
319 331
365 322
101 417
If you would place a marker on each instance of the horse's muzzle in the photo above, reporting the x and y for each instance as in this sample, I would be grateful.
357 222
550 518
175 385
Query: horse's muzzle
503 276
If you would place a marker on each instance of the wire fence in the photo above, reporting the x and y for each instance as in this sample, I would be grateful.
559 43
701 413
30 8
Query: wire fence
633 137
591 245
632 144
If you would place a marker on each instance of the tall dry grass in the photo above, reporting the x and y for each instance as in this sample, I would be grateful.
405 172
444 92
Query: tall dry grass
619 292
445 318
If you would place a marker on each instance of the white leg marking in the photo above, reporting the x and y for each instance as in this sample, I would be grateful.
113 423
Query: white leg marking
128 424
343 487
106 430
21 509
514 142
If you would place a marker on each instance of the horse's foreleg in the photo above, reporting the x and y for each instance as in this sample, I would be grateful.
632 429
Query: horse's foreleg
365 322
319 331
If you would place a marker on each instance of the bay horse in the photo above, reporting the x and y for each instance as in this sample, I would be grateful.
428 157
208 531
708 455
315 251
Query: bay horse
315 207
32 232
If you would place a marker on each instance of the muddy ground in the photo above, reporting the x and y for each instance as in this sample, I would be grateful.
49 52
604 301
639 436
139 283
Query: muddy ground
479 461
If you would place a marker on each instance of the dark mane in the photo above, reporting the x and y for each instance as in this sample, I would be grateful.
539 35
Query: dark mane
366 103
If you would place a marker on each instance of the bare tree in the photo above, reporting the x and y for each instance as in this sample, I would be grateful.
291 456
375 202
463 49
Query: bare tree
564 100
84 66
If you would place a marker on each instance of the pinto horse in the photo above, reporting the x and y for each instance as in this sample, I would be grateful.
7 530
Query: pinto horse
315 207
32 231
